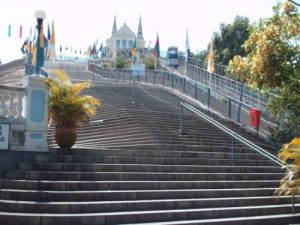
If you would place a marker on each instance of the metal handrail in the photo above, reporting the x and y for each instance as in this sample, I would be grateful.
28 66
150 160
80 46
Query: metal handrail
232 133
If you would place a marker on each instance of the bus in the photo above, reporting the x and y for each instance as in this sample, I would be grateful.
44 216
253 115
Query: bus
172 56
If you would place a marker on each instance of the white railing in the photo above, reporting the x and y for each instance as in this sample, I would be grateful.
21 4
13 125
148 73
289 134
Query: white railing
11 103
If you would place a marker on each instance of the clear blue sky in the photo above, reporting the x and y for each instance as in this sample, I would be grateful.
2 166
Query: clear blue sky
79 23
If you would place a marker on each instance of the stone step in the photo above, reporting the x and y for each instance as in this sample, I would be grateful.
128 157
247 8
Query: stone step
143 216
110 195
186 147
96 167
156 153
149 160
136 205
279 219
54 175
62 185
157 138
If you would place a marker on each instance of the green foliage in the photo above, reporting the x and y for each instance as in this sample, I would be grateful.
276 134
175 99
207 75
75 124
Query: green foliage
228 42
273 50
67 105
285 107
273 62
123 62
149 62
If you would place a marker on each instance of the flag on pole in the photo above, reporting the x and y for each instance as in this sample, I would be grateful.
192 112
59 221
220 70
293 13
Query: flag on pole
42 38
93 51
20 31
100 50
133 49
34 54
48 32
9 30
187 48
30 33
156 50
51 46
23 49
211 59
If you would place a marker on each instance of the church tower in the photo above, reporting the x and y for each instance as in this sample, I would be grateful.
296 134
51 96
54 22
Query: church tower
114 30
140 30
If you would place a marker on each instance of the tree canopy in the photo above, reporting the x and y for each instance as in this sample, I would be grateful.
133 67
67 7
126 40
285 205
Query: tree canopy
272 50
229 40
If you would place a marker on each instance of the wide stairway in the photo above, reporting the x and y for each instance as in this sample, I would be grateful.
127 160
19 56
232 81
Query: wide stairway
131 165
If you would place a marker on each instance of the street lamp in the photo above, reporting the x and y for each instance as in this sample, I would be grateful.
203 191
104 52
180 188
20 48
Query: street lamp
40 15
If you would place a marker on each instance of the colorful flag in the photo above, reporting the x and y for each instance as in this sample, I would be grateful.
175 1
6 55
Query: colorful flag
42 38
29 46
21 31
9 30
93 51
100 49
187 48
30 33
34 54
23 49
133 49
51 48
48 33
211 59
156 50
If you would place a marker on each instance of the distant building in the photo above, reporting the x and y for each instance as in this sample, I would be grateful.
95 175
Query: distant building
122 40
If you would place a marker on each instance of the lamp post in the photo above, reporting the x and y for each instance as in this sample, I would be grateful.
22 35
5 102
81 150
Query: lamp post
40 15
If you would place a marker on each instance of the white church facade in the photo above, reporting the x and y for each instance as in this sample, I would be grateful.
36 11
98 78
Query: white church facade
122 39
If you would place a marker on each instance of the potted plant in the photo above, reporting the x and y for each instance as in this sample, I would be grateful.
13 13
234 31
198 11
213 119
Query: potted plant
68 107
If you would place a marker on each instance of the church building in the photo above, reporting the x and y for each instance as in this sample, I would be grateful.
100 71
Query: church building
122 39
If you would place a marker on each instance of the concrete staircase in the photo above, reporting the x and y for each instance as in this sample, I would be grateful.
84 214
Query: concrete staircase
131 165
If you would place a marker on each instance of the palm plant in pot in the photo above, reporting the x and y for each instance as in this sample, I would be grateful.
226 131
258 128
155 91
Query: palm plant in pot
68 107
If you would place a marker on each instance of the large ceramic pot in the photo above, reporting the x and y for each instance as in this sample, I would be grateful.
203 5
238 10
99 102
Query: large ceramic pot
66 136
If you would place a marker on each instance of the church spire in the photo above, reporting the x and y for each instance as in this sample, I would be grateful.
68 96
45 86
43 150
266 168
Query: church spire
140 30
114 30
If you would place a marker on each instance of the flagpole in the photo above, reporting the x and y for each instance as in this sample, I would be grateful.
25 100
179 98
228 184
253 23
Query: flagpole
155 64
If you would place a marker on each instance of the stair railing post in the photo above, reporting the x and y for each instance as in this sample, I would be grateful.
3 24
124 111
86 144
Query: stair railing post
93 71
240 104
232 150
181 120
208 98
293 203
229 107
196 90
146 76
172 81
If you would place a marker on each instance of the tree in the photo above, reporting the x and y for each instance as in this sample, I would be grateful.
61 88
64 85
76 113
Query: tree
273 50
273 63
228 42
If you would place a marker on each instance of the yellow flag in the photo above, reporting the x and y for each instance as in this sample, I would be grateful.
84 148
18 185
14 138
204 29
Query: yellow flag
34 54
51 46
211 59
42 38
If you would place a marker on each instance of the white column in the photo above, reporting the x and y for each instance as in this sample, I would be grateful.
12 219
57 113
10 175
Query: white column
36 113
